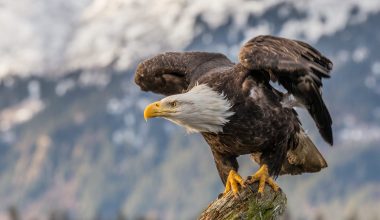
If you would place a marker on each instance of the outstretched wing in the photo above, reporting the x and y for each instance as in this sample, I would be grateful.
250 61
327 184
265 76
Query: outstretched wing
298 67
172 72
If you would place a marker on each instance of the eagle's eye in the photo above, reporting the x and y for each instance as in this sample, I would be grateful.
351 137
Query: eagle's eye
173 104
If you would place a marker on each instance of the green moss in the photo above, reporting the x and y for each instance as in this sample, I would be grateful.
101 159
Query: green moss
266 209
259 211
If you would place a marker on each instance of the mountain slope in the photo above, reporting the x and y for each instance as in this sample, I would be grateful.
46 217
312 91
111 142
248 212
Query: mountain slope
76 140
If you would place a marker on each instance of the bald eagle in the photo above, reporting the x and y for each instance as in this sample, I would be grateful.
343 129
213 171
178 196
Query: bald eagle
236 109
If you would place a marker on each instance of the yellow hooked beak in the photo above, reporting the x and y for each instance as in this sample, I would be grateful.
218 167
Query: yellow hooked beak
152 110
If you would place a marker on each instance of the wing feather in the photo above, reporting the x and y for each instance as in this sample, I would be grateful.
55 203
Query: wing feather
172 72
298 67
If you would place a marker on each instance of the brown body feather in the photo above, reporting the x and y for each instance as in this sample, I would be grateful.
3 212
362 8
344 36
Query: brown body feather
261 125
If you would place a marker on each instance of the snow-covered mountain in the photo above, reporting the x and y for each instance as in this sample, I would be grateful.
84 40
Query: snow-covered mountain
72 136
56 36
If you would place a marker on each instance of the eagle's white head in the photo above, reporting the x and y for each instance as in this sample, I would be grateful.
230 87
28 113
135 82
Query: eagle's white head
201 109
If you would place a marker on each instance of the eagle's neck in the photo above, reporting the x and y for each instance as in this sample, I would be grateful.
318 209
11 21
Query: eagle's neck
206 110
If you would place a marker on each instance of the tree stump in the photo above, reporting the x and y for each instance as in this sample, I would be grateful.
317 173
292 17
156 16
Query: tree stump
249 205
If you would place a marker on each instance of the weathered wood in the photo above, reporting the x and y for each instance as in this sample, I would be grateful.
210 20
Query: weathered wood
249 205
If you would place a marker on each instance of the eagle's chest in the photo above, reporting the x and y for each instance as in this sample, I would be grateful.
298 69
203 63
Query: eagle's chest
232 145
255 126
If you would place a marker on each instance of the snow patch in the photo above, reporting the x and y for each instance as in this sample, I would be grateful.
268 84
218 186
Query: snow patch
356 131
20 113
360 54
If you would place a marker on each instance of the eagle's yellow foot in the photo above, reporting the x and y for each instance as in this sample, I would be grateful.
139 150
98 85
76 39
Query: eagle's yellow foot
262 175
233 180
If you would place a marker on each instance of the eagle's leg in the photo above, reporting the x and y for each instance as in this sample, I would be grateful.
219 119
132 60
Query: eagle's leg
262 175
233 180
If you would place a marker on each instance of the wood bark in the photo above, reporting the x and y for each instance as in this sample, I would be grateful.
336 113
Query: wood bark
248 205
